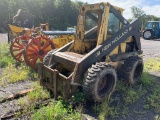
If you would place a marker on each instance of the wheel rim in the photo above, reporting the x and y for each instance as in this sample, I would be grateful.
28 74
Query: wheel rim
147 34
106 85
17 47
37 49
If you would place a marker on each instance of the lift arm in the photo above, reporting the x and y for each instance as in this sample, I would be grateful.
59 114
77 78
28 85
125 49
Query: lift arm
106 48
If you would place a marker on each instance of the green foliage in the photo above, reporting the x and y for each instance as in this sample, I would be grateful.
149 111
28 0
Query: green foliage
38 95
152 65
11 75
132 95
56 111
105 110
5 55
78 97
146 79
32 74
60 14
153 100
139 13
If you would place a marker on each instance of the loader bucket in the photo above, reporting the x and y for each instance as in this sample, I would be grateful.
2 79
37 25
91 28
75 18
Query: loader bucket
54 81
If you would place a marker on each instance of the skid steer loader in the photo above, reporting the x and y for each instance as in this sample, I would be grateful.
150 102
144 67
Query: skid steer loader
105 45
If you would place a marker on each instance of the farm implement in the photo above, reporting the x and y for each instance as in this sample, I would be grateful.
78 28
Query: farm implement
32 49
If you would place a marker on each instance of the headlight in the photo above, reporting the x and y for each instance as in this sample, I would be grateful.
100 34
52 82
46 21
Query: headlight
101 6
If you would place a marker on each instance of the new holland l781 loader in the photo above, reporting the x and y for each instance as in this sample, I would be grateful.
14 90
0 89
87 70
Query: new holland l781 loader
105 45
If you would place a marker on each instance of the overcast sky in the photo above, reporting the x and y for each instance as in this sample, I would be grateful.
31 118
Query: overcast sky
151 7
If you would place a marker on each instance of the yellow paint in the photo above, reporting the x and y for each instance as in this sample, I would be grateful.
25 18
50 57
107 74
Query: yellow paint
16 29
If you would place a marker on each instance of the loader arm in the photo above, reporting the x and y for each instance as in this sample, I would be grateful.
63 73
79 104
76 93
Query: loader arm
106 48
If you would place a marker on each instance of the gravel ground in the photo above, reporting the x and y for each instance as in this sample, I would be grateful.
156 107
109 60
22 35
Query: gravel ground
3 38
9 90
151 48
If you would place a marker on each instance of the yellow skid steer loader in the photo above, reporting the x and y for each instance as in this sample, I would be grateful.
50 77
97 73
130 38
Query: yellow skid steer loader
105 44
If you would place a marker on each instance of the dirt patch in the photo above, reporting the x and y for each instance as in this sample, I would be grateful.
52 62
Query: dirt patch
14 88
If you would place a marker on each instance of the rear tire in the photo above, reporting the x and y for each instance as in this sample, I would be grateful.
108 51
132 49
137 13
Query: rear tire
100 82
148 34
132 69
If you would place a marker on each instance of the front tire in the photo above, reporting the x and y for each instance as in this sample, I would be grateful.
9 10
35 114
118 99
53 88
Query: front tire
100 82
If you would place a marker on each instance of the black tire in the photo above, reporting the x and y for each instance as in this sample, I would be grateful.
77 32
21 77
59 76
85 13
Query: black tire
99 82
148 34
47 57
132 69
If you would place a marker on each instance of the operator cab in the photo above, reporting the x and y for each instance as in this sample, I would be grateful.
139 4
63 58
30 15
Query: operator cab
96 23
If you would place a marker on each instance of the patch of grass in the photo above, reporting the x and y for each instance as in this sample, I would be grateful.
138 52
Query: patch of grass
11 75
133 94
29 102
152 65
153 99
106 110
5 55
56 111
32 74
79 97
37 95
146 79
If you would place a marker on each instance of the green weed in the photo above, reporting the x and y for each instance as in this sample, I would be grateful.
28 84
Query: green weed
146 79
152 65
29 102
79 97
38 94
56 111
11 75
5 56
105 110
153 99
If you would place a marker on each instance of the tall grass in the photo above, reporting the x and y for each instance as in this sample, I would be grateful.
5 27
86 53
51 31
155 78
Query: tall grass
56 111
5 56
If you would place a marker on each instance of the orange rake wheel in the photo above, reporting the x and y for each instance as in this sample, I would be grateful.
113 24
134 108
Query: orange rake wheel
36 49
17 47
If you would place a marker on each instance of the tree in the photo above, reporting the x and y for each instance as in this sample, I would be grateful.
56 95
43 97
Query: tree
137 12
60 14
